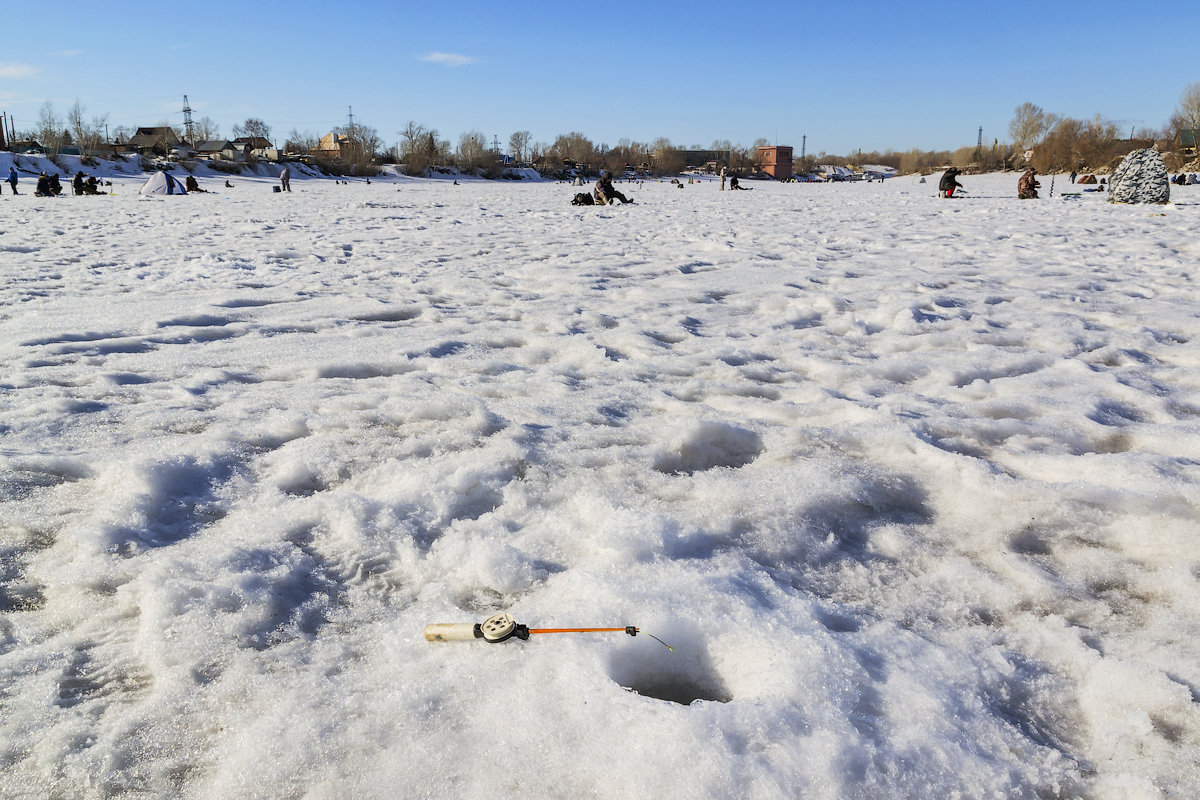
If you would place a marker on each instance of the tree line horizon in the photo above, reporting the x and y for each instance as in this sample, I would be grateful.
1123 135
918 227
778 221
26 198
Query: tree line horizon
1047 141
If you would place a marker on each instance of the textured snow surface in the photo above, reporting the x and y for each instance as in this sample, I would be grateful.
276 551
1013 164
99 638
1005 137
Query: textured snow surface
910 484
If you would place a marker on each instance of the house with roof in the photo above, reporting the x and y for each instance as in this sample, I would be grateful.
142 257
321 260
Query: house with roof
217 150
249 145
331 147
26 146
154 141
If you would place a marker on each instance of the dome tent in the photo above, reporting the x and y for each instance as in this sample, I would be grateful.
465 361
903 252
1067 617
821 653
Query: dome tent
162 183
1141 178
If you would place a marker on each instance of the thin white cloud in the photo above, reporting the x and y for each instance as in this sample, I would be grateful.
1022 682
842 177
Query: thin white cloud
448 59
70 53
16 70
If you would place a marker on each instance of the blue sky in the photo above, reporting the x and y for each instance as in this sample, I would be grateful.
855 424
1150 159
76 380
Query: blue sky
849 75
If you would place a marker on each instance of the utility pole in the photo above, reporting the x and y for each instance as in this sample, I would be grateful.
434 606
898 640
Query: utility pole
187 121
350 116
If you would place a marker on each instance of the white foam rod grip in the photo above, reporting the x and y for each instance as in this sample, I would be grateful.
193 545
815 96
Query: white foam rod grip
450 632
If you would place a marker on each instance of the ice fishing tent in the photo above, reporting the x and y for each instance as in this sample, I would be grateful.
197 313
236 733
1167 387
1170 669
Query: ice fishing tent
162 183
1141 178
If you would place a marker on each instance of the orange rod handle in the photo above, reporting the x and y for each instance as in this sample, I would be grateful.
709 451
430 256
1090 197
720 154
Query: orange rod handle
573 630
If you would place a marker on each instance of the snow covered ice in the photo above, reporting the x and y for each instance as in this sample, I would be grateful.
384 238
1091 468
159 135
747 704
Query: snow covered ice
910 484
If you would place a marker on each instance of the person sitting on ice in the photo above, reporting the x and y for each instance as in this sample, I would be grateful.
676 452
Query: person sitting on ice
77 182
43 186
605 193
734 185
192 185
1028 185
948 184
91 185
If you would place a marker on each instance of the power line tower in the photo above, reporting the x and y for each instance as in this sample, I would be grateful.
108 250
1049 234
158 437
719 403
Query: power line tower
187 120
978 155
350 116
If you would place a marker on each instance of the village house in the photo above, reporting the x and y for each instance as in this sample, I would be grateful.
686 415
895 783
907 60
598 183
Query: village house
217 150
255 146
331 147
153 141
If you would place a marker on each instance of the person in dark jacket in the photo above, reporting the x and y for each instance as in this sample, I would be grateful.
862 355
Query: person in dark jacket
1028 185
948 184
77 183
605 193
55 186
43 186
12 179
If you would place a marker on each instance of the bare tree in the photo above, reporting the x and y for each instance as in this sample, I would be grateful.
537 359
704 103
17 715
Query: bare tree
363 142
88 136
574 147
50 131
205 129
76 123
1030 124
420 148
1189 109
472 152
518 145
668 159
252 127
412 135
298 142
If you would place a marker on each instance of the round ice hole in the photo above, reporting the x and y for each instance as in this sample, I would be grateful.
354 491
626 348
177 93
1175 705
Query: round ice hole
683 677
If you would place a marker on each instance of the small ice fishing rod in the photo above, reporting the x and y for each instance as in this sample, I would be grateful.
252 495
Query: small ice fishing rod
502 627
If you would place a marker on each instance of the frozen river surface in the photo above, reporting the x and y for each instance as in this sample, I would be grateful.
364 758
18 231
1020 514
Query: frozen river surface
911 485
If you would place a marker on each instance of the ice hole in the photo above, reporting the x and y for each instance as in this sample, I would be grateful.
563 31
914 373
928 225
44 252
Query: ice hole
683 676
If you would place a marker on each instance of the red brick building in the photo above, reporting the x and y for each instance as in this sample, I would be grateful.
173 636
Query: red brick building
776 161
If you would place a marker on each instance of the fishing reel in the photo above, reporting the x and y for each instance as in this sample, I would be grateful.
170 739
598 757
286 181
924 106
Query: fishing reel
496 628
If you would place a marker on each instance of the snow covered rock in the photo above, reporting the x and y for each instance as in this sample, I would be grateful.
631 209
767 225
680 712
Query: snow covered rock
1141 178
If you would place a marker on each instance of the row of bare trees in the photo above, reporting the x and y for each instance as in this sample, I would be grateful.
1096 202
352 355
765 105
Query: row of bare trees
1055 142
1061 144
422 148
